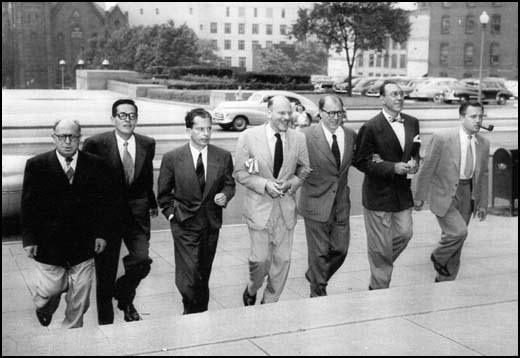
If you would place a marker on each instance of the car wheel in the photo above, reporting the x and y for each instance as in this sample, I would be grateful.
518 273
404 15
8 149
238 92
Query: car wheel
438 98
501 99
225 127
240 123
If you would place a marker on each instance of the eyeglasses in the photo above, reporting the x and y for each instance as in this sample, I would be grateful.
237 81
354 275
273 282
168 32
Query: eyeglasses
64 137
396 94
339 114
124 116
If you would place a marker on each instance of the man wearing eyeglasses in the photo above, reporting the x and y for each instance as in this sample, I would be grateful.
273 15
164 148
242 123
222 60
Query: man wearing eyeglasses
64 223
384 149
130 158
324 199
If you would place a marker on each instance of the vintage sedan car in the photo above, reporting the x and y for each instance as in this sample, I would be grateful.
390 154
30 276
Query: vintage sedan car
362 86
493 89
373 91
432 88
238 115
343 86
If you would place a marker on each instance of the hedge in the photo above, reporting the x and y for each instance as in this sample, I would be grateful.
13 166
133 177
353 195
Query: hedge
178 71
252 77
198 97
245 86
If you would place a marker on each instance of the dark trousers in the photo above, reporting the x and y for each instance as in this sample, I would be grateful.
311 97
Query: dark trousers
327 245
194 253
136 236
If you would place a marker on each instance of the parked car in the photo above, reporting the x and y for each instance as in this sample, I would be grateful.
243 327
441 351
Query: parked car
238 115
362 86
493 89
343 86
512 86
432 88
410 86
373 91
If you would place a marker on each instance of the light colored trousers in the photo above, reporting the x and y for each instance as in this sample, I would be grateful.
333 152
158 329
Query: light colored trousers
55 280
270 256
388 234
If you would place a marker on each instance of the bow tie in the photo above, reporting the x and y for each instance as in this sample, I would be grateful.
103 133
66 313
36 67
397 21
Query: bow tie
398 120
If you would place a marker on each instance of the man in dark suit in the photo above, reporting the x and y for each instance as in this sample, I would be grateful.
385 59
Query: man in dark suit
195 183
324 198
63 223
130 159
384 148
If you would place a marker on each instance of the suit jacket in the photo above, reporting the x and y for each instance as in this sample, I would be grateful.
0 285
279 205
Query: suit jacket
252 143
326 184
134 200
64 219
179 192
383 190
438 178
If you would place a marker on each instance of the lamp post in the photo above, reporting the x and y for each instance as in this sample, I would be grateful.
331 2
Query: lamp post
484 19
81 63
62 65
105 63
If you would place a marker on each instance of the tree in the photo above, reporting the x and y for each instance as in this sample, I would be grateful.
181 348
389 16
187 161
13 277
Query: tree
352 26
305 57
206 53
273 59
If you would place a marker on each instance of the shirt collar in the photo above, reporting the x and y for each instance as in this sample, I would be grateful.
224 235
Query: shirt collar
63 162
195 152
464 135
328 132
270 132
389 117
121 141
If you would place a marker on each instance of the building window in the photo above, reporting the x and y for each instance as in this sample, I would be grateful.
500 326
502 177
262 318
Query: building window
470 24
469 51
269 12
227 44
255 29
256 12
371 60
394 61
254 43
241 29
268 29
386 59
467 75
402 61
214 43
201 27
268 43
360 59
378 60
227 28
495 24
283 13
378 75
141 11
404 45
241 45
227 59
386 43
156 11
242 62
444 54
213 27
227 11
394 45
494 54
443 74
283 29
241 11
445 25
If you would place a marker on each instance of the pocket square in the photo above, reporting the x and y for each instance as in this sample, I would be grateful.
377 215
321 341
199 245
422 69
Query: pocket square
251 165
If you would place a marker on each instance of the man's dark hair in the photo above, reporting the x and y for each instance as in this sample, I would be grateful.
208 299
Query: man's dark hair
385 83
464 105
321 102
197 112
120 102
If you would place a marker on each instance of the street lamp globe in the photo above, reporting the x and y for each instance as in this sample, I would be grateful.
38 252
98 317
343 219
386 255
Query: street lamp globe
81 63
105 63
484 18
62 62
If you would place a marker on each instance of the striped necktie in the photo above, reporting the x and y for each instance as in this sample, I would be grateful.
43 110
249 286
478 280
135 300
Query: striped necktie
69 170
128 165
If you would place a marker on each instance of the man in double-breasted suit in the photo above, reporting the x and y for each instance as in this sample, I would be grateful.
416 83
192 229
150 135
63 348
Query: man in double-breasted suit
384 148
195 184
64 220
324 198
266 159
130 159
454 180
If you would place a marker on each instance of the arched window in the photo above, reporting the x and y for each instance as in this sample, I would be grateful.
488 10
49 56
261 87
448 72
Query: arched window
469 51
470 24
444 54
494 54
445 24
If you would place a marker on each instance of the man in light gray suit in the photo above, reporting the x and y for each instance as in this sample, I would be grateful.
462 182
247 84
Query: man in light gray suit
454 180
265 164
324 199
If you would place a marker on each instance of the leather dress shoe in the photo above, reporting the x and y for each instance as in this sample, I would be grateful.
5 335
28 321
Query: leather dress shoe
248 299
130 312
438 267
44 318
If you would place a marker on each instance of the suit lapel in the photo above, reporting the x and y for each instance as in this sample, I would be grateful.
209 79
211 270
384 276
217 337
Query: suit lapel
347 153
212 169
408 138
322 144
388 135
187 167
455 149
478 157
57 169
263 146
140 155
113 154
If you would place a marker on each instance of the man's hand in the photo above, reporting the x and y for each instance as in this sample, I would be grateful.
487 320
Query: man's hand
414 166
273 189
303 172
418 204
31 251
220 199
284 185
401 168
154 212
100 245
481 213
376 158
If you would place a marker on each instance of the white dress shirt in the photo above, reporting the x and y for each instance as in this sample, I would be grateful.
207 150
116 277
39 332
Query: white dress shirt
271 139
463 151
63 163
121 147
398 127
340 138
195 157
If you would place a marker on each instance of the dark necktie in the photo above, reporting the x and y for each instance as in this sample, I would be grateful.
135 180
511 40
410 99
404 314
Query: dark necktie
335 151
69 170
278 155
200 173
397 119
468 170
128 165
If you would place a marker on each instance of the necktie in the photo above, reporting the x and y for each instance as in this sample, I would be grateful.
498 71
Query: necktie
396 119
69 171
128 165
278 155
335 151
468 170
200 173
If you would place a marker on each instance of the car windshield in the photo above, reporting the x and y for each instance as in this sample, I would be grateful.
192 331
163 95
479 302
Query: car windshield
255 97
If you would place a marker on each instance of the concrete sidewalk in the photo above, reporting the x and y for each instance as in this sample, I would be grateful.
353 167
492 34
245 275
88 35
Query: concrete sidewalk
475 315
